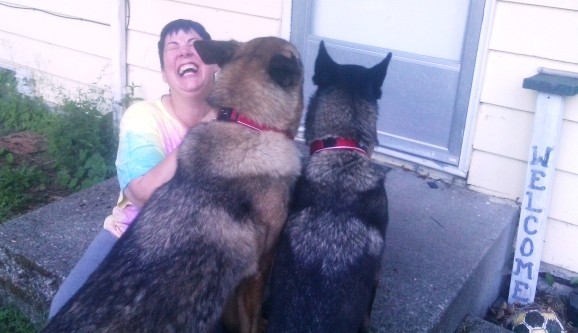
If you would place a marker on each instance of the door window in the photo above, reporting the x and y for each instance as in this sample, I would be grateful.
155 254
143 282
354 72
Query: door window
426 93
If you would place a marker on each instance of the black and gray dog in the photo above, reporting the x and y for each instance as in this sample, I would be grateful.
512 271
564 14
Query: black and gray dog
204 239
325 273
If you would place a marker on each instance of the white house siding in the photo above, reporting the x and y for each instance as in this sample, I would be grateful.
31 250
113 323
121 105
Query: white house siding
58 52
527 35
75 53
223 19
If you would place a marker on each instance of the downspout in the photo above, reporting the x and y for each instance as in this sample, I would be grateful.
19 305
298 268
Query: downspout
118 58
286 9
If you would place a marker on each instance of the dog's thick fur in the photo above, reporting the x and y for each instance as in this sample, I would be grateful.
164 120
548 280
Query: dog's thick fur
215 223
326 269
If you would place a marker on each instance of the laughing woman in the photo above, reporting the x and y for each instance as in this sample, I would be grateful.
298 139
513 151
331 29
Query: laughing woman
150 133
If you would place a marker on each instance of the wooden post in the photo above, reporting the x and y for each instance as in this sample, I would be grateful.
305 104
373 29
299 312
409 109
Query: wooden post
552 86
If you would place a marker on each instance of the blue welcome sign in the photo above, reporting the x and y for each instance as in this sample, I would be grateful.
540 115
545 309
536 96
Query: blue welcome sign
552 86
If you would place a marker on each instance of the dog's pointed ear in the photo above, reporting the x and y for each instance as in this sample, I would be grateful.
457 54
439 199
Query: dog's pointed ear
286 70
216 52
377 74
324 66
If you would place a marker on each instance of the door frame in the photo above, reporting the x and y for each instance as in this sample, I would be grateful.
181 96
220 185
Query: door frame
300 12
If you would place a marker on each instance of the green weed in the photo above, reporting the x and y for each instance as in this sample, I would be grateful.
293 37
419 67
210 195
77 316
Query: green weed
20 112
13 321
82 143
17 183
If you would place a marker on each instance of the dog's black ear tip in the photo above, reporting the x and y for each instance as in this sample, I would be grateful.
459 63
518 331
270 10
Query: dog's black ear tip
216 52
285 70
323 62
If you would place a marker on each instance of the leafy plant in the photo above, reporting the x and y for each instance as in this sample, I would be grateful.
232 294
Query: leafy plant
20 112
549 278
129 97
13 321
16 183
82 143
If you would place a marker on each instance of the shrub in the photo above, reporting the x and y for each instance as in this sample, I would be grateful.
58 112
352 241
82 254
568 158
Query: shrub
81 142
16 183
13 321
20 112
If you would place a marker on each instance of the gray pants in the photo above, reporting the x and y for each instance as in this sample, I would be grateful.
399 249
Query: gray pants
93 256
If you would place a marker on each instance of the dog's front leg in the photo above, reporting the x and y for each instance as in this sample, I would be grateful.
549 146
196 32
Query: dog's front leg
243 311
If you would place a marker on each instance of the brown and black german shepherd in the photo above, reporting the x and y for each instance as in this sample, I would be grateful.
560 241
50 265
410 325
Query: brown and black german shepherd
209 233
325 274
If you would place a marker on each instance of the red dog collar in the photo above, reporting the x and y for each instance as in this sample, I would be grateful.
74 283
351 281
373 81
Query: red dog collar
335 143
233 116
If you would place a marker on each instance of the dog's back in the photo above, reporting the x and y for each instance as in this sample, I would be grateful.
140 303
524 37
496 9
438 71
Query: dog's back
325 272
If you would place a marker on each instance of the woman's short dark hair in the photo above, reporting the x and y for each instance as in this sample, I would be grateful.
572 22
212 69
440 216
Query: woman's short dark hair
176 26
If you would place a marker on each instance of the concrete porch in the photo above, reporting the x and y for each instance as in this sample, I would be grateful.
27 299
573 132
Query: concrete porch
448 250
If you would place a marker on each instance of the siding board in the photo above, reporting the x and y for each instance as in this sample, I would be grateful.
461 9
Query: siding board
536 31
504 76
53 60
560 245
73 34
150 83
563 206
568 159
507 132
142 50
503 131
497 175
221 24
92 10
264 8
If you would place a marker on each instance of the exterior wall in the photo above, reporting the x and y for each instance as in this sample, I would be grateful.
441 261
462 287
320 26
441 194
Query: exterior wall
74 52
223 19
527 35
57 52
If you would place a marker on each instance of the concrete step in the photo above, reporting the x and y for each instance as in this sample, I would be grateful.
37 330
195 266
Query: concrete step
447 252
37 250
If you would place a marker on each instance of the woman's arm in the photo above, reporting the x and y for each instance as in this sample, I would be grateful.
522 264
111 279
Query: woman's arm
140 189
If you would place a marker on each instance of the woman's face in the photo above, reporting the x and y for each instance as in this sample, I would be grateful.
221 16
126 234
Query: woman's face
184 71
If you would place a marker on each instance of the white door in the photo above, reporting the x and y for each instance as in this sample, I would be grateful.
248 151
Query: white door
434 43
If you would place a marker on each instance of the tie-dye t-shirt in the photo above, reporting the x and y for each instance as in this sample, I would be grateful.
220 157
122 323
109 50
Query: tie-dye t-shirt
148 133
